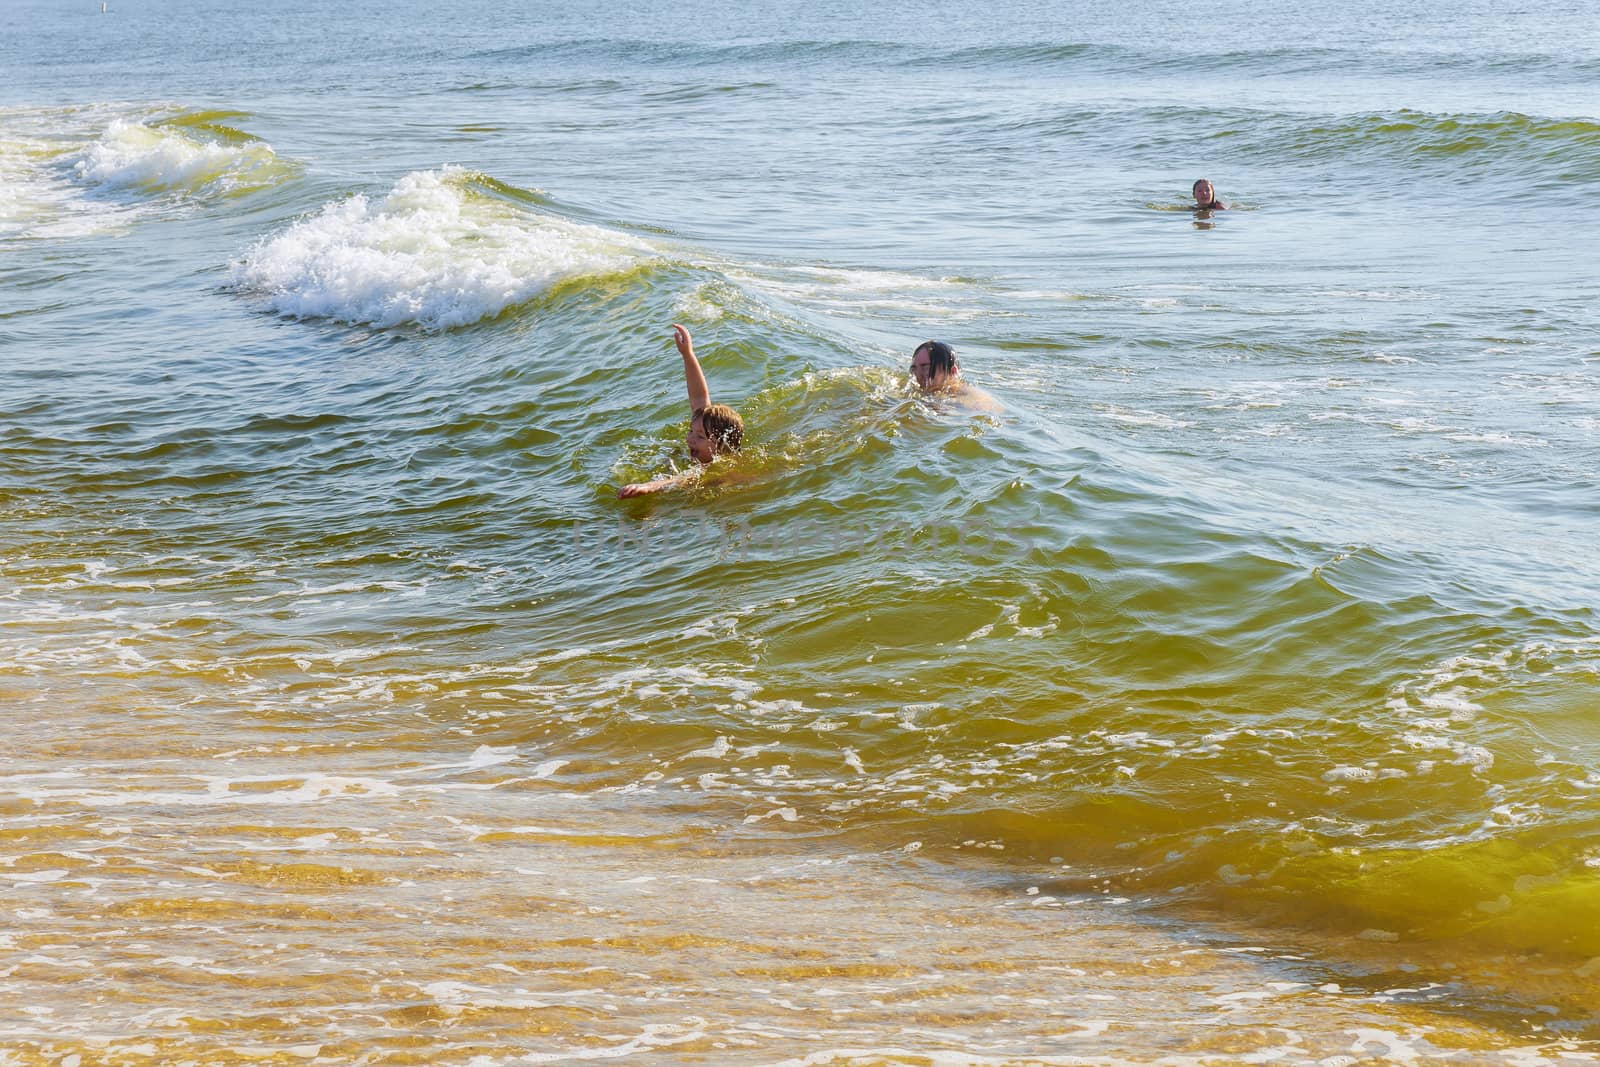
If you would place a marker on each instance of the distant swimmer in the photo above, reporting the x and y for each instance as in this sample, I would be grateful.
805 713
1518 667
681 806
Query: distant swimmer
713 428
1205 197
934 366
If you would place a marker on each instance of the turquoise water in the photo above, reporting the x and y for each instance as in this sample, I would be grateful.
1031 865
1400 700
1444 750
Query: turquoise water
1260 619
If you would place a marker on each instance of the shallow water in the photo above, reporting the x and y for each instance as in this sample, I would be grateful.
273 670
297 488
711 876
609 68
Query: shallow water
1239 671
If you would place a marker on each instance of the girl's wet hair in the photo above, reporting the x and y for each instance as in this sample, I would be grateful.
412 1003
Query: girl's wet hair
941 357
723 426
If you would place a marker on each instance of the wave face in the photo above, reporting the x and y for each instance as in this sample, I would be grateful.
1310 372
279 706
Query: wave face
439 250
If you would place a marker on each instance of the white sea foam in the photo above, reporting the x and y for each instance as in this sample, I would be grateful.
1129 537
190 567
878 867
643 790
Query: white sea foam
15 175
483 756
653 1036
456 996
219 792
862 291
786 814
718 750
935 1057
132 155
37 200
697 306
548 767
1132 417
434 251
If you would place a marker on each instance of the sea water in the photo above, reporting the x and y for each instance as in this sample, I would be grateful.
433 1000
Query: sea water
1229 696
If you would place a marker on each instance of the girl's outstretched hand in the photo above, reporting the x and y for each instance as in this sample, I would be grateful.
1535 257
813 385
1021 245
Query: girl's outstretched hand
671 481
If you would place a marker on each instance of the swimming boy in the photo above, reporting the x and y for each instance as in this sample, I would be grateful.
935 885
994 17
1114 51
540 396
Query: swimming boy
713 428
935 369
1205 197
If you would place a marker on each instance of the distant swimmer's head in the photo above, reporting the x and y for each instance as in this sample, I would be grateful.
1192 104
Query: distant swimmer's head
714 429
933 365
1205 194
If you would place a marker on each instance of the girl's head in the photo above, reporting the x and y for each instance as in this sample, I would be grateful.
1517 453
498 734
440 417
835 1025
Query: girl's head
714 429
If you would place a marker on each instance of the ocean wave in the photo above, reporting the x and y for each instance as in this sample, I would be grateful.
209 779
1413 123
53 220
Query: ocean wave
1455 811
181 156
1202 720
1208 720
1492 138
75 171
442 249
1279 61
1049 56
685 53
1457 146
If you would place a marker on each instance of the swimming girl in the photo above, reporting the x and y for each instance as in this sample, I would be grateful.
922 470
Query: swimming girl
1205 197
713 428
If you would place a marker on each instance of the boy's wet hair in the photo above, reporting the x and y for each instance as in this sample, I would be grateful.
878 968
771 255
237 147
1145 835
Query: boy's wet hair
723 426
941 357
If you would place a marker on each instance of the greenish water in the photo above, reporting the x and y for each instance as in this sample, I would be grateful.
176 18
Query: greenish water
1252 642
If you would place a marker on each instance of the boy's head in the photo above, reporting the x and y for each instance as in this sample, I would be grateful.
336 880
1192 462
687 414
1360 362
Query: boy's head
714 429
933 364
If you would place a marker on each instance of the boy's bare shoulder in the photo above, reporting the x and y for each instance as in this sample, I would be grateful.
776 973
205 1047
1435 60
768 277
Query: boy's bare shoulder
976 399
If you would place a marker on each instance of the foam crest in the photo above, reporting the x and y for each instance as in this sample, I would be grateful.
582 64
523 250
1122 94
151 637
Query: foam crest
164 159
438 251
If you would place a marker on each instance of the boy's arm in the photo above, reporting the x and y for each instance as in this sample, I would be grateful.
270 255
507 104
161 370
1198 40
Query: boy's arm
693 376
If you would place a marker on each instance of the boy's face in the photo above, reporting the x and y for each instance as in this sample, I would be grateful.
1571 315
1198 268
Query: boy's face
922 370
700 446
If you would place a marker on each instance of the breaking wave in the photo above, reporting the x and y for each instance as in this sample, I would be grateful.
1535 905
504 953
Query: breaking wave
187 155
442 249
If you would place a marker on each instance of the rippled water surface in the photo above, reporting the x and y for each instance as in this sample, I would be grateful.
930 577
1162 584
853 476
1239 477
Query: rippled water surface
1226 696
